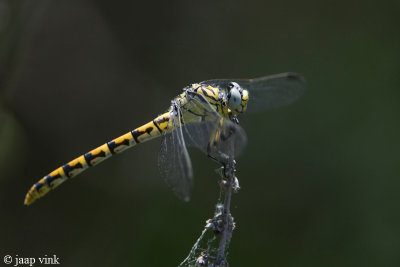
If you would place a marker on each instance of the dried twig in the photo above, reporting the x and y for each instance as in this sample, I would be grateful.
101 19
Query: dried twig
222 224
228 224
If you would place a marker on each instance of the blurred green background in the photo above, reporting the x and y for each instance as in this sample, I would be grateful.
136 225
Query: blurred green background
320 178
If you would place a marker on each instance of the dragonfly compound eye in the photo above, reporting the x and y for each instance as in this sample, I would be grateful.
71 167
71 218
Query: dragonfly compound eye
234 96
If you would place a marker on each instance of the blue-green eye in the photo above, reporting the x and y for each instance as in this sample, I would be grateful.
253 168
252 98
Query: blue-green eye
234 96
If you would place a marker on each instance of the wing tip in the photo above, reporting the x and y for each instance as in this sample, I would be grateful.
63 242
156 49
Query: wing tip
297 79
295 76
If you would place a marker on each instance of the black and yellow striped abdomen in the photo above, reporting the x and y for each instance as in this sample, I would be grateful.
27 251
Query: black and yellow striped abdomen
141 134
211 101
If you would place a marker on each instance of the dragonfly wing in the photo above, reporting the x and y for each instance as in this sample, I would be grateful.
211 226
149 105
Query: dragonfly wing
173 159
209 131
213 133
268 92
214 137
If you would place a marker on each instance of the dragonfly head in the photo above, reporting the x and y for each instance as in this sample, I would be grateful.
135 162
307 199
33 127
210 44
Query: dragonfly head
237 98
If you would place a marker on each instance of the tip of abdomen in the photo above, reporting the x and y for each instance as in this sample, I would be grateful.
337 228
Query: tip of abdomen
42 187
32 195
29 199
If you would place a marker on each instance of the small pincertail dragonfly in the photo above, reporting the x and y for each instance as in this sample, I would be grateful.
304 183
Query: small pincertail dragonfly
203 116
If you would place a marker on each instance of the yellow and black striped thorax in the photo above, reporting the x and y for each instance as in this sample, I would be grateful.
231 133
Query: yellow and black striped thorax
209 100
231 100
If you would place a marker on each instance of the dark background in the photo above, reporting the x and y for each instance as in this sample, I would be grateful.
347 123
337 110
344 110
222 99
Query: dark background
320 178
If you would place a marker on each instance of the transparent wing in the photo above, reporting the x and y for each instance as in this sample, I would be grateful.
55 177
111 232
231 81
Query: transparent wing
268 92
207 131
213 133
174 161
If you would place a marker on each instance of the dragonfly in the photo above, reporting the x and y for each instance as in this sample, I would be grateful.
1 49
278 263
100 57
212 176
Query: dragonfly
204 115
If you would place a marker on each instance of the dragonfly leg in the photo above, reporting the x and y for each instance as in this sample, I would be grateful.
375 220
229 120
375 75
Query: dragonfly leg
224 165
217 160
209 154
221 134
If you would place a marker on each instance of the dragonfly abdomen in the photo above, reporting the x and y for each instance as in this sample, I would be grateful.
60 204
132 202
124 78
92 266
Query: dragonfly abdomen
141 134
